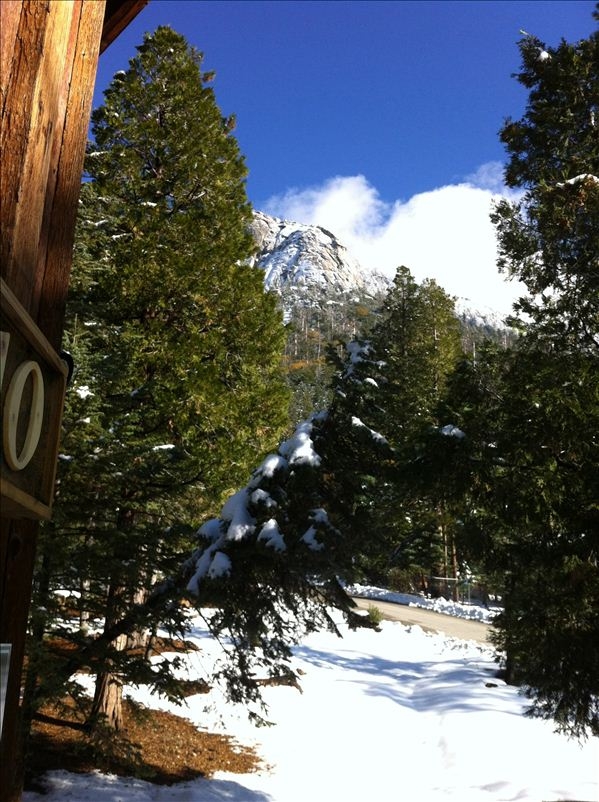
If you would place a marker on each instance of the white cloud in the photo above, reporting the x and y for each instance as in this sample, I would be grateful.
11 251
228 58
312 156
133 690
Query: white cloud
489 176
443 234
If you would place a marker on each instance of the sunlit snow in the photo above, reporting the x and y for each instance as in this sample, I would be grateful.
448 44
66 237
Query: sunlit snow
220 565
452 431
236 511
272 536
579 179
384 716
471 612
375 435
309 538
299 449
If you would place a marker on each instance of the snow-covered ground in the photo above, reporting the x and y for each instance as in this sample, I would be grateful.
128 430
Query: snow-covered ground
384 716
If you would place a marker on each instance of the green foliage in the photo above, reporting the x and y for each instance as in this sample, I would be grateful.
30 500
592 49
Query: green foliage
358 458
525 474
385 396
336 504
423 460
327 510
178 385
374 615
550 239
551 408
524 479
418 339
272 564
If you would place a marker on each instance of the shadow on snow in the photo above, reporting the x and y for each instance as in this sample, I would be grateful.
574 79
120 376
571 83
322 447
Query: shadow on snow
455 685
109 788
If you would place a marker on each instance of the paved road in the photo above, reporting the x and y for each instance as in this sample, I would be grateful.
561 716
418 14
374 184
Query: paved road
429 620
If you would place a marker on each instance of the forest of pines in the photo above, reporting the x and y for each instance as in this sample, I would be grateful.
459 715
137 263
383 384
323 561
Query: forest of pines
187 476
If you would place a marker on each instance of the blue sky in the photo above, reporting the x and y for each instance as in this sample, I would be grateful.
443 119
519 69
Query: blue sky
352 113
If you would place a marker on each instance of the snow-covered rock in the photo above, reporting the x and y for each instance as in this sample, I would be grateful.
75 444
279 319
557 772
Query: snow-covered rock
296 254
300 257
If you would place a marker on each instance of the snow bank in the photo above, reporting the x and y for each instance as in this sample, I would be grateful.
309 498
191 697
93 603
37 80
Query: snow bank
385 716
470 611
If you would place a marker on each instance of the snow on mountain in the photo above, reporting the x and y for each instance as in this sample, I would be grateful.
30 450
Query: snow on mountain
296 254
484 317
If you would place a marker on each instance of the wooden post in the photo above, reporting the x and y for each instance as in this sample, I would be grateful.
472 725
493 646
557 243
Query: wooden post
48 65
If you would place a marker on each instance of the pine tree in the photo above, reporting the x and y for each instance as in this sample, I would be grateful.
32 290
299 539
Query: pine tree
359 459
268 565
386 397
178 385
551 242
417 341
523 481
548 240
433 347
526 469
309 520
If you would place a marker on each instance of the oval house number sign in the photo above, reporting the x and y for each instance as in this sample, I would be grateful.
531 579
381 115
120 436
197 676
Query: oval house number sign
33 381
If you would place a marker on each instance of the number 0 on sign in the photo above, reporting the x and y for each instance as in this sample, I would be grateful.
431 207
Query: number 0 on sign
12 408
32 380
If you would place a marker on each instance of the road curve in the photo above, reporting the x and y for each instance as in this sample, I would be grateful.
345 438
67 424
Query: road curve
429 620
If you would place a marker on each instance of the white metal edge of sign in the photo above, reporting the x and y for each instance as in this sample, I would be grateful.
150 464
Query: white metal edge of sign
44 414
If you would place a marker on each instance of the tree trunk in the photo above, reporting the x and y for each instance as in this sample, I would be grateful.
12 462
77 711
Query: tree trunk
445 572
84 587
108 697
454 568
36 650
107 706
138 639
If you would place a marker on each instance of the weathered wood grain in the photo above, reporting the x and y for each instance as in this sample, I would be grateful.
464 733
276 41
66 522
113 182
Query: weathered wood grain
15 134
46 125
61 216
11 11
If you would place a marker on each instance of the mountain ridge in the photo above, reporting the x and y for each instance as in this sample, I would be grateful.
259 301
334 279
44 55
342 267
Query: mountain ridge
328 298
293 254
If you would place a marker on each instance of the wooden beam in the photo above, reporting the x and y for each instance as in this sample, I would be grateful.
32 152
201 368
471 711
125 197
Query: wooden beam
19 90
55 257
47 86
11 12
48 65
18 540
119 13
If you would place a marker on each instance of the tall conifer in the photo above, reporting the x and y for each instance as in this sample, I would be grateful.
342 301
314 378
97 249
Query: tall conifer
385 398
526 471
178 386
550 241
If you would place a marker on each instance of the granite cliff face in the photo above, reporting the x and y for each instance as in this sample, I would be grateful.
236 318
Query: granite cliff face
295 254
307 263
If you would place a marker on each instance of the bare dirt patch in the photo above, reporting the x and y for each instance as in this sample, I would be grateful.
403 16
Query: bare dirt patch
157 746
154 745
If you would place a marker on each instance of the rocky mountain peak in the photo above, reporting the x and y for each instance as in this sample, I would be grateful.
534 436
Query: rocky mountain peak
296 254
